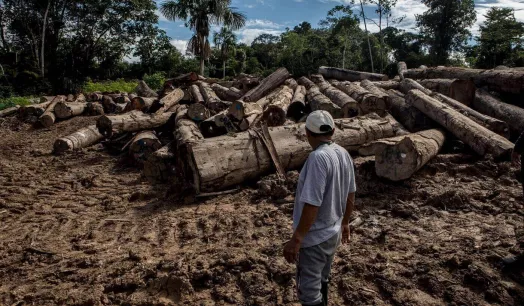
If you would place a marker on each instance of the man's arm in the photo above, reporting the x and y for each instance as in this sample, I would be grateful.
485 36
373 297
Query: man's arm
350 206
308 217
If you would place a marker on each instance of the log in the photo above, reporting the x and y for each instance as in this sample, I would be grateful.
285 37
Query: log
408 115
48 99
291 83
212 101
387 85
142 145
133 121
143 90
94 109
249 122
67 110
240 110
276 111
209 127
70 98
94 97
48 117
122 100
401 68
267 85
307 83
480 139
9 111
29 112
506 81
140 103
196 94
182 80
225 161
160 165
198 112
80 98
489 105
460 90
82 138
109 105
318 101
246 82
367 101
228 94
297 108
171 99
348 105
495 125
398 158
350 75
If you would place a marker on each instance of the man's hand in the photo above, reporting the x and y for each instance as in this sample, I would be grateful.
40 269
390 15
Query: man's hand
291 250
515 159
346 234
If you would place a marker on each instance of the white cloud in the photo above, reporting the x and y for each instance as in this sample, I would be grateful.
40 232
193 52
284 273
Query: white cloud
180 44
248 35
262 23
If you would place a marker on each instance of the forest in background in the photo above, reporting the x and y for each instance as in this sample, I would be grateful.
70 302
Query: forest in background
62 46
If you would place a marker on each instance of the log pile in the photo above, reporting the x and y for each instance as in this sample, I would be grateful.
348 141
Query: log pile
213 134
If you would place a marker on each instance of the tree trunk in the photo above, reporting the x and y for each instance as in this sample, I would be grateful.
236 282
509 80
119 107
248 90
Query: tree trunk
228 94
408 115
9 111
142 145
291 83
480 139
367 101
318 101
196 94
276 111
160 165
492 124
198 112
297 108
247 157
224 70
307 83
387 85
267 85
492 106
506 81
133 121
82 138
401 68
67 110
48 118
140 104
171 99
44 28
367 35
348 105
142 90
460 90
350 75
400 157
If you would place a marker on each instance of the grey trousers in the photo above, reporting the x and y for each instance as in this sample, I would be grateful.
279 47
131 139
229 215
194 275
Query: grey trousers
314 268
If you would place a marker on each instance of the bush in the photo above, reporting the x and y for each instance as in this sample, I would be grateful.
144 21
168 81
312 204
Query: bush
10 102
155 81
110 86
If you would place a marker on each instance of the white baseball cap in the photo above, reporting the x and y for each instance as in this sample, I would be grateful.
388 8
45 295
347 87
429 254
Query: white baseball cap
320 122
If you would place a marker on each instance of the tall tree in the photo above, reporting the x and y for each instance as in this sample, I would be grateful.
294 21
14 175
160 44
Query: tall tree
367 33
501 36
225 40
445 26
199 16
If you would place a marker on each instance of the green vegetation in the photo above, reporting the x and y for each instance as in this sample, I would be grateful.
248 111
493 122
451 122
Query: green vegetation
10 102
155 81
110 86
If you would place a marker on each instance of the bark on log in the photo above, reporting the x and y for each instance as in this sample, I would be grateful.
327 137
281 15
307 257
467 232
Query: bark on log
507 81
182 80
130 122
142 145
196 94
319 101
348 105
70 98
160 165
109 105
399 158
489 105
387 85
480 139
143 90
367 101
122 100
82 138
350 75
80 98
9 111
291 83
48 117
240 110
276 111
198 112
267 85
460 90
94 97
210 128
228 94
94 109
495 125
307 83
297 108
67 110
247 157
140 103
34 110
408 115
171 99
401 68
213 102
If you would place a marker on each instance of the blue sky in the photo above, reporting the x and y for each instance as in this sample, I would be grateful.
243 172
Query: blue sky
273 16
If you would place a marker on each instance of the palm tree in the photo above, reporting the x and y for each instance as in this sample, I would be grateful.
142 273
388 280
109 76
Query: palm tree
225 40
199 16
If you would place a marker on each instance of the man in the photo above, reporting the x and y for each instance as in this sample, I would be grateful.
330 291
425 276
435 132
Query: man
323 205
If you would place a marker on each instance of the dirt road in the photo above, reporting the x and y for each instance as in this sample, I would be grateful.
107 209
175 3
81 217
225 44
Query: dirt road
85 229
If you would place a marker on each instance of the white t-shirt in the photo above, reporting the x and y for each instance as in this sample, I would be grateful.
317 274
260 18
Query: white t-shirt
326 180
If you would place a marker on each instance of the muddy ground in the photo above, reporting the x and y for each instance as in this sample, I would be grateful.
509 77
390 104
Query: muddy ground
85 229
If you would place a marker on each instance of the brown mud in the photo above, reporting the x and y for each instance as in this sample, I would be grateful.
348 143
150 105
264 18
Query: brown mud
85 229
